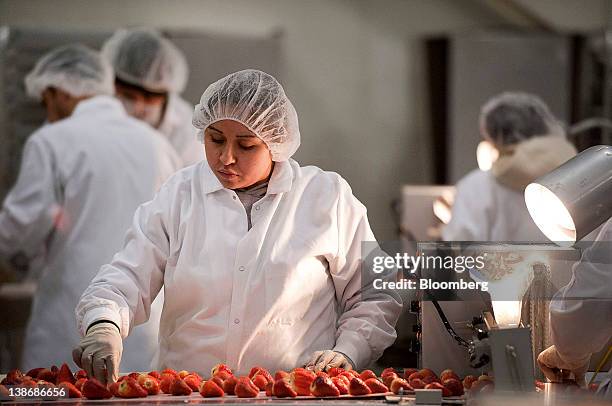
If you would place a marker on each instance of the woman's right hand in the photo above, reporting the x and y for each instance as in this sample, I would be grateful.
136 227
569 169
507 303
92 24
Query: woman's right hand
99 352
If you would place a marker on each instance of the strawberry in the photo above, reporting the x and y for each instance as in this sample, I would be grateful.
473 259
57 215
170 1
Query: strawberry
269 387
300 380
222 375
169 371
387 379
468 381
220 367
218 380
323 387
79 383
427 371
65 375
387 371
193 381
408 372
166 382
341 384
260 371
114 388
13 377
149 383
211 390
229 385
80 374
322 374
30 383
71 390
34 372
353 372
335 371
448 374
358 388
399 385
129 388
280 375
182 374
260 381
134 375
178 387
414 375
436 385
453 385
93 389
376 386
46 375
282 389
367 374
245 388
417 383
155 375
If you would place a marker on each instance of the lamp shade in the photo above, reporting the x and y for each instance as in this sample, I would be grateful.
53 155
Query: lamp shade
574 199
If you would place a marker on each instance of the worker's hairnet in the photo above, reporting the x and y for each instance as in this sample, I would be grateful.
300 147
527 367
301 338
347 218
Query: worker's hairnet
142 57
256 100
75 69
512 117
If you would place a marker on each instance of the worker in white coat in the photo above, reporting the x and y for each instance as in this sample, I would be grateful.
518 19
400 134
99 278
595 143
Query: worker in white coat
150 74
259 258
581 316
82 177
490 205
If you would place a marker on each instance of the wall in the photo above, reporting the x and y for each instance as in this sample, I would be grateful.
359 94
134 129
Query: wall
354 69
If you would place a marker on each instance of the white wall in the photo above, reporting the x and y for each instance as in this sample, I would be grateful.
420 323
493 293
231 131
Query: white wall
354 70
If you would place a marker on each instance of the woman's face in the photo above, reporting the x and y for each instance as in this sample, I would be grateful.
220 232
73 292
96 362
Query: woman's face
237 157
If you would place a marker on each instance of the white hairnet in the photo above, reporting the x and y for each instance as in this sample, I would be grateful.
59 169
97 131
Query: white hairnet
142 57
512 117
75 69
256 100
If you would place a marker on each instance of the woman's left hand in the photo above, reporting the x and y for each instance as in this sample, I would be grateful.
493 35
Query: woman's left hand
326 360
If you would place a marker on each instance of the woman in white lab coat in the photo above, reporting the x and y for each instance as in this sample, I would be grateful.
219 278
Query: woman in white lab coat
489 205
581 315
259 258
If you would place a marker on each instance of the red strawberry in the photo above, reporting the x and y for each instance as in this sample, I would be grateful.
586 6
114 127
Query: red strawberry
129 388
169 371
408 372
30 383
183 373
210 389
400 385
436 385
430 379
300 380
149 383
388 371
322 374
79 383
323 387
417 383
427 371
269 387
13 377
229 385
155 375
449 374
134 375
282 389
341 384
387 379
353 372
193 381
220 367
280 375
71 390
114 388
260 371
218 380
454 386
260 381
468 381
34 372
222 375
178 387
335 371
65 375
80 374
358 388
46 375
376 386
166 382
245 388
367 374
93 389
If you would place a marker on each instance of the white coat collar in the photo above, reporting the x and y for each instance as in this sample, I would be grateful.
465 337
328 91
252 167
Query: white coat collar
280 181
96 103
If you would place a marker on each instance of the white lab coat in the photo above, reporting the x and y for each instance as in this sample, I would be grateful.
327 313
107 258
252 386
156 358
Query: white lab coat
267 296
80 181
176 125
485 210
581 327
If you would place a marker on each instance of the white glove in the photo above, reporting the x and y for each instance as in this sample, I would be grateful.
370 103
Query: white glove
556 368
326 360
99 352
